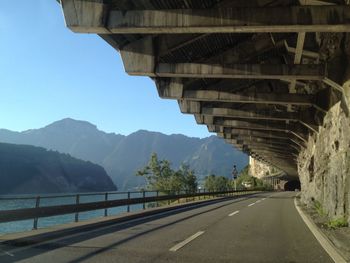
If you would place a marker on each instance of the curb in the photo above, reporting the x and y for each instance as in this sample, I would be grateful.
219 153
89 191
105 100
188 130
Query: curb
320 236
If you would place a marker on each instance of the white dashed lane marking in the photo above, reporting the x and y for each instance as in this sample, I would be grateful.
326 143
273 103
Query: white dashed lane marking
234 213
186 241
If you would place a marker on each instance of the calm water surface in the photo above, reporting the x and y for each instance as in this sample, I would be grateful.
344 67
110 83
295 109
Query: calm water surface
27 225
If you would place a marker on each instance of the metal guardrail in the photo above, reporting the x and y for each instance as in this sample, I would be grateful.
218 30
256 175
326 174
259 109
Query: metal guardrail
46 211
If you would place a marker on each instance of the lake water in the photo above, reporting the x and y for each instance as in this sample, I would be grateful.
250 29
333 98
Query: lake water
46 200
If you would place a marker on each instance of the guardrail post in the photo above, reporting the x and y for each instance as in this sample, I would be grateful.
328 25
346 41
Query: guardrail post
77 200
128 209
37 204
157 203
144 195
106 199
169 201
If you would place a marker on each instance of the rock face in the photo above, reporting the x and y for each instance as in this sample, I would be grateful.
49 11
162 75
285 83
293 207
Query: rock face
259 169
324 166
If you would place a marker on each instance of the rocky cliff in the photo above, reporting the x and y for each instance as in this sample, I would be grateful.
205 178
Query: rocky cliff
259 169
324 166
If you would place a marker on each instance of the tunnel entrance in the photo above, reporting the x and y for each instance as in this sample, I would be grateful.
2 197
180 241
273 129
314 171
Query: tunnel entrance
292 185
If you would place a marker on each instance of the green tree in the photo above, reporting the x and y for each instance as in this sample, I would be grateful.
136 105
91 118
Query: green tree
161 177
244 176
157 173
216 183
189 179
209 183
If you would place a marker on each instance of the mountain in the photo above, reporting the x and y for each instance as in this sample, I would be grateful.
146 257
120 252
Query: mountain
122 156
27 169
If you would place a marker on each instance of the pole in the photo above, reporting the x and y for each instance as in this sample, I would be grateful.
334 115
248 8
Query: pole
144 204
128 202
106 199
77 202
37 204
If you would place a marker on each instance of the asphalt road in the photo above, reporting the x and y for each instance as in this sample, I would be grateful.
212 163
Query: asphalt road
262 228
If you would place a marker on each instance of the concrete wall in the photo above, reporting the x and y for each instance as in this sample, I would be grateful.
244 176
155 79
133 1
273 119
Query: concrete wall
324 166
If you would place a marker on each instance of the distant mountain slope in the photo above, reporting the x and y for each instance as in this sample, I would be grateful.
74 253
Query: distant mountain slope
80 139
122 156
27 169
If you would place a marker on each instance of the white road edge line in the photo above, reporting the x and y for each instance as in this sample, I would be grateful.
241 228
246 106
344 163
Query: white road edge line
7 253
234 213
258 201
263 199
251 204
186 241
321 238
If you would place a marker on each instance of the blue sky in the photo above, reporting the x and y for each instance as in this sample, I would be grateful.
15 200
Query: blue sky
48 73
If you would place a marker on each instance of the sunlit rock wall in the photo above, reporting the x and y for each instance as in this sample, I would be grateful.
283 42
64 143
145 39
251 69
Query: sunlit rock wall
324 166
259 169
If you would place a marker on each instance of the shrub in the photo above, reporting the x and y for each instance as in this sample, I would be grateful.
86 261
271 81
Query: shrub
337 223
319 209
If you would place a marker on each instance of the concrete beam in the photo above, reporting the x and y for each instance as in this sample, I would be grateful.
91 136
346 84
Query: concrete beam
246 149
267 147
294 130
257 133
96 18
175 90
139 58
297 57
270 156
243 51
304 117
236 71
282 154
274 136
85 16
276 142
258 125
194 107
232 85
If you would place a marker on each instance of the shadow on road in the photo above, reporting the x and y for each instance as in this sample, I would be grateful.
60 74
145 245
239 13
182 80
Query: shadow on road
29 247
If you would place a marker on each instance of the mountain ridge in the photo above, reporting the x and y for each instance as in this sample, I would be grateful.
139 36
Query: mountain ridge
123 155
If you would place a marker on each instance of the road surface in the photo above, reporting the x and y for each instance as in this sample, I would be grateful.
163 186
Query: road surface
262 228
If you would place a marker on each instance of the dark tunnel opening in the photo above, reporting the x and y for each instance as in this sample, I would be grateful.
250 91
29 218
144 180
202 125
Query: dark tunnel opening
292 185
